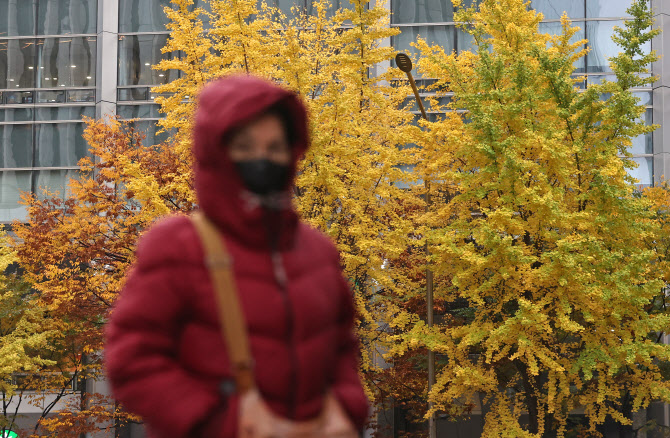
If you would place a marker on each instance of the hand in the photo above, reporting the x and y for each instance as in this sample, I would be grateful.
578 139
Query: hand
336 422
258 421
255 419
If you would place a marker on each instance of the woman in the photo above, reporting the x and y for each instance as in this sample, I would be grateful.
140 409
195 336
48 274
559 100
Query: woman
165 357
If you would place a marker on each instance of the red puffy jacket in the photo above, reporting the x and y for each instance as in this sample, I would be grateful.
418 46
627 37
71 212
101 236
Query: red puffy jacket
165 356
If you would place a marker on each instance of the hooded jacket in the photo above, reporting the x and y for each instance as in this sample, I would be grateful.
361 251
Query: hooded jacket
165 356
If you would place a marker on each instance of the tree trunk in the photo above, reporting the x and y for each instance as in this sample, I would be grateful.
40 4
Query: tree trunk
531 398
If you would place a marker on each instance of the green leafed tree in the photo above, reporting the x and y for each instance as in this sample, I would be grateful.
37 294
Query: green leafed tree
541 237
26 336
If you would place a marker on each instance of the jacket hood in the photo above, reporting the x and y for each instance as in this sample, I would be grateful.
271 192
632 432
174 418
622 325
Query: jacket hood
224 106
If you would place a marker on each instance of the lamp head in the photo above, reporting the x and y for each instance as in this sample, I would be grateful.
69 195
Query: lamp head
403 62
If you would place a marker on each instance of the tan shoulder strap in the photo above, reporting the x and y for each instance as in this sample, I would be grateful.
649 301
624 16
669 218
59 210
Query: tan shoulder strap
233 328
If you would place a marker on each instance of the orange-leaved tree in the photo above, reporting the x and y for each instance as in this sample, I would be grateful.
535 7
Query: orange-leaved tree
75 249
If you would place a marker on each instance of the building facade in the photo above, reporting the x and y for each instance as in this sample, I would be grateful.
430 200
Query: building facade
63 60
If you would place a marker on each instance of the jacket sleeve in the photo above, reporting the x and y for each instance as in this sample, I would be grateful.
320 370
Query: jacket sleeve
347 386
142 342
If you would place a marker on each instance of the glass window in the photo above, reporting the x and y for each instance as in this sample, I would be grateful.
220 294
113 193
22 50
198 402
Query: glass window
127 94
645 97
61 17
16 115
286 6
552 9
81 96
555 28
18 97
64 113
644 171
138 111
66 62
142 15
470 3
17 63
422 11
440 35
148 15
642 144
12 185
59 144
599 34
17 17
336 5
16 146
150 129
55 182
137 53
599 79
50 96
607 8
464 41
153 95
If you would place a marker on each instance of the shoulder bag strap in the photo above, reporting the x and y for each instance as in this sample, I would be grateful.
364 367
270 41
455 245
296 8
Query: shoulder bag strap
219 264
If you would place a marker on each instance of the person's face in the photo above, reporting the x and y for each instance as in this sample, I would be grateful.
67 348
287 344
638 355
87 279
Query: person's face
263 138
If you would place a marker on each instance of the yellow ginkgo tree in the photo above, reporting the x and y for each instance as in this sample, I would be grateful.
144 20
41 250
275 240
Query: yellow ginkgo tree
76 249
351 184
537 243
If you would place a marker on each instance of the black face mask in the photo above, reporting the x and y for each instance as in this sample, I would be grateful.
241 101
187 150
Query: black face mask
263 176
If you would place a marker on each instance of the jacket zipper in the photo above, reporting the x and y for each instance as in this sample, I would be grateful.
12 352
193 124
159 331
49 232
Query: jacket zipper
280 278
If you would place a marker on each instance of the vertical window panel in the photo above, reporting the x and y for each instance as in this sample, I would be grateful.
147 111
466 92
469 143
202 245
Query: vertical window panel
337 4
150 128
607 8
54 182
17 63
646 97
643 144
465 41
287 6
555 28
149 15
17 97
137 53
552 9
142 15
16 146
59 144
470 3
138 111
128 94
17 18
64 113
81 96
644 171
61 17
599 34
66 62
12 185
422 11
16 115
50 96
439 35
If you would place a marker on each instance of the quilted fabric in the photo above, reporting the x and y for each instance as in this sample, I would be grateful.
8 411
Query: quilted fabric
165 355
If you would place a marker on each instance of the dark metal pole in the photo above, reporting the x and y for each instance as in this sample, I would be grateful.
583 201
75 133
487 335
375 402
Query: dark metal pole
405 64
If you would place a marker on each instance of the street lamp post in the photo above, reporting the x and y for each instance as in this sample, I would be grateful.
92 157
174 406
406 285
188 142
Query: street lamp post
405 64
